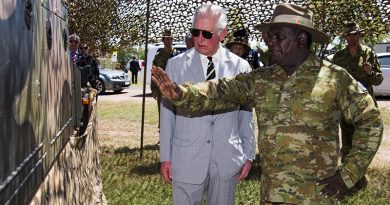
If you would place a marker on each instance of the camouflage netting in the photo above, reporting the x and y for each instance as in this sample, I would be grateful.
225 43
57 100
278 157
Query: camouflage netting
76 177
176 14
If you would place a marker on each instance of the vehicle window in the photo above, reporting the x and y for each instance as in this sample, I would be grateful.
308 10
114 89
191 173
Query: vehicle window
159 50
385 60
181 50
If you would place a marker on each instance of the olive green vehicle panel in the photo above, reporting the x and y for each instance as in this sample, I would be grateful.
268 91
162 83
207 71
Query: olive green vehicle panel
36 96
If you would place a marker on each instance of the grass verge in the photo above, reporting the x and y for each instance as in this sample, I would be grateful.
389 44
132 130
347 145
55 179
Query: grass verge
127 179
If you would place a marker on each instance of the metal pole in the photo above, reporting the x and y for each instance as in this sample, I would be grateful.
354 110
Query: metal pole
145 73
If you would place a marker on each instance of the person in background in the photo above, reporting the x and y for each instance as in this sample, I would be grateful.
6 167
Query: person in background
206 153
134 69
252 56
299 103
189 40
74 43
362 63
88 63
161 60
238 47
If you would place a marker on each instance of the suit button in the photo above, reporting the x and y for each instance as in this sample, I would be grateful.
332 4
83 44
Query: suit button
212 123
208 141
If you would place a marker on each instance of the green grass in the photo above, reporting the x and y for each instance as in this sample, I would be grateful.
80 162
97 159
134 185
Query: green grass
385 116
127 179
127 112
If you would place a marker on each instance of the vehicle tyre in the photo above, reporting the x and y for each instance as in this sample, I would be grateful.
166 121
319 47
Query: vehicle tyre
100 87
118 91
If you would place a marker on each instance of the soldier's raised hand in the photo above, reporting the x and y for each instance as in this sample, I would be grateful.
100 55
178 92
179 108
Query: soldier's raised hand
168 88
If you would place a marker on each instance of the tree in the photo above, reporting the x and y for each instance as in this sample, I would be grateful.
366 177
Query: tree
371 15
106 25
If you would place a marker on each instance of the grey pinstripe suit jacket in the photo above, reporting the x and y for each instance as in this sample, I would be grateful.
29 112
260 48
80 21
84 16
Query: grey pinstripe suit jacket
189 139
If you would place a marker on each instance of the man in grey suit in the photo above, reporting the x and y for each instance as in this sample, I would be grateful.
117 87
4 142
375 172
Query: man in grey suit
205 152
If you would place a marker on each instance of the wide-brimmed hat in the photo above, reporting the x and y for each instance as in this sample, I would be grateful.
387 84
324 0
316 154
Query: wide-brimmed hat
166 33
352 28
238 40
296 16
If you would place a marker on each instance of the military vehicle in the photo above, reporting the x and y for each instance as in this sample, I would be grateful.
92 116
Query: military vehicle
40 109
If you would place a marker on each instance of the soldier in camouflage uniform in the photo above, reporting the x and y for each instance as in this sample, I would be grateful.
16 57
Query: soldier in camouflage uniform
299 103
361 62
161 60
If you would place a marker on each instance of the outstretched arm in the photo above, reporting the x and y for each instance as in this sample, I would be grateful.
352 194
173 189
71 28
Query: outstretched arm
167 87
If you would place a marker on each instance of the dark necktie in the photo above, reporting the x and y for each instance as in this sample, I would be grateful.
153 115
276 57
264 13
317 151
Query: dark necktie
210 69
74 57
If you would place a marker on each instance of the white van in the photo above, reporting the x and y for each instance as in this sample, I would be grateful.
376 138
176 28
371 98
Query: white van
152 51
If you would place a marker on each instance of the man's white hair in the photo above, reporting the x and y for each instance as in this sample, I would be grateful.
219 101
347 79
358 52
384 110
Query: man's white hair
74 37
213 10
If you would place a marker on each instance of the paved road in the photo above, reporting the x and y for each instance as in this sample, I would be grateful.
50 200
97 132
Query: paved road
134 92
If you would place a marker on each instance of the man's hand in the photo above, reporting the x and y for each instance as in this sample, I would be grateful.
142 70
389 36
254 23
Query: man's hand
368 68
245 170
167 87
166 171
334 186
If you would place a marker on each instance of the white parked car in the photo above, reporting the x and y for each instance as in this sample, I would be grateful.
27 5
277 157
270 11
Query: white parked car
384 61
384 88
152 51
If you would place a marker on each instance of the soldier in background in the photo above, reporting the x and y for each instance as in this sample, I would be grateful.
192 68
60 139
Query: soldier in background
161 60
239 47
299 102
362 63
251 56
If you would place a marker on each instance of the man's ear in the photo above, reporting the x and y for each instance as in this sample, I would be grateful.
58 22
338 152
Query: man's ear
302 38
223 34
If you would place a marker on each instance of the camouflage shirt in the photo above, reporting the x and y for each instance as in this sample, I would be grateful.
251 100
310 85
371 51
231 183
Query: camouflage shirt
354 66
161 60
298 120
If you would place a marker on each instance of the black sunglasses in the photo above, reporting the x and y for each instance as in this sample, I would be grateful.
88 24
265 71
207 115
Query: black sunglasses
206 34
73 41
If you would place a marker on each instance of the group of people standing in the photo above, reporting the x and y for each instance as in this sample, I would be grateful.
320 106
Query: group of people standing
80 57
207 141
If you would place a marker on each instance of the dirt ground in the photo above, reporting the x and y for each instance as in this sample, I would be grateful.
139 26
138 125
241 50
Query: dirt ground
109 137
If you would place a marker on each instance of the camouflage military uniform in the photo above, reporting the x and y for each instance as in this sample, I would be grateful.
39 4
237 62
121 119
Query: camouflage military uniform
161 60
298 118
354 66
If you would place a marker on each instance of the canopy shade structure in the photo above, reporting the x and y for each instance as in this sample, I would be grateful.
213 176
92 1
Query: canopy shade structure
176 15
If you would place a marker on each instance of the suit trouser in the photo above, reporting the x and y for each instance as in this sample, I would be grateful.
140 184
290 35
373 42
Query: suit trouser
134 77
219 191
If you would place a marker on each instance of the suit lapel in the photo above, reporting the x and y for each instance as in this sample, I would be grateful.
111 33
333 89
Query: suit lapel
224 63
194 66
